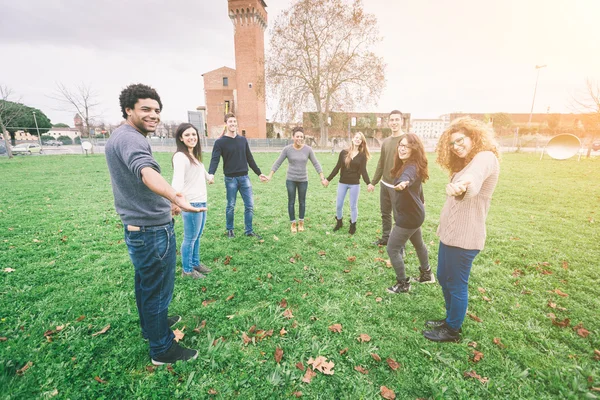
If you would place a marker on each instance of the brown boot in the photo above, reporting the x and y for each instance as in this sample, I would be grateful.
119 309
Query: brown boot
294 229
301 225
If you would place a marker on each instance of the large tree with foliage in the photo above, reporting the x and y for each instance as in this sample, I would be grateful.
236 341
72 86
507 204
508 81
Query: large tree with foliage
322 58
588 102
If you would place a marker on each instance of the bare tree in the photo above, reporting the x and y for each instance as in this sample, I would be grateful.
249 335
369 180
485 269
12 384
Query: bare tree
588 102
7 115
321 57
82 99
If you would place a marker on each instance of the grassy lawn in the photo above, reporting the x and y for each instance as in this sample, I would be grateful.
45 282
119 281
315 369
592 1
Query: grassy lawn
61 236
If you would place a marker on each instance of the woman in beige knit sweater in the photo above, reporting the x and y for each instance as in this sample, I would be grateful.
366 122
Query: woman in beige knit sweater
468 151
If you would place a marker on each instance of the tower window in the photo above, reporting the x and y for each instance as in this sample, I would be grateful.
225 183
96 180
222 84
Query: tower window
225 81
249 86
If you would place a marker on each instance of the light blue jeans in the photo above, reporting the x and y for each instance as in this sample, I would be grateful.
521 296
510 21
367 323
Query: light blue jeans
341 195
193 226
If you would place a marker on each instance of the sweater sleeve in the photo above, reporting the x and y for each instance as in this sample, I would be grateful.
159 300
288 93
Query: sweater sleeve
379 170
337 167
409 174
214 159
314 161
135 152
482 166
180 163
279 160
251 162
363 170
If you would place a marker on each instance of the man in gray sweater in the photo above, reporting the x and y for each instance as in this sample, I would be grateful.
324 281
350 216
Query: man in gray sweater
145 202
389 151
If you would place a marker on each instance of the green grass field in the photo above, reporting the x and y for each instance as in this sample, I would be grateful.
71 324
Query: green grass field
61 236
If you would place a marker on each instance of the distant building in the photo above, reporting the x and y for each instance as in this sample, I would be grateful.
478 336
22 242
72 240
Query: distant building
197 118
56 132
240 90
428 128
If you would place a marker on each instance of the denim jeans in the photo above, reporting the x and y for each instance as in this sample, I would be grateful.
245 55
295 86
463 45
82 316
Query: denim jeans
243 184
396 243
152 252
291 190
454 268
341 195
193 226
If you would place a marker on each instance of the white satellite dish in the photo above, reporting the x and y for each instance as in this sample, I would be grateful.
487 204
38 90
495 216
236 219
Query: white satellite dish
562 147
86 146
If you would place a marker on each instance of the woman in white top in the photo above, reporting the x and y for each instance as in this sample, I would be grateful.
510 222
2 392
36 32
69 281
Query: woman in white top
189 178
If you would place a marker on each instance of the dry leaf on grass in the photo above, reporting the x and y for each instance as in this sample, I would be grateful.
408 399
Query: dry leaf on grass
283 303
498 342
474 317
475 375
300 366
102 331
21 371
288 313
361 370
230 297
561 324
179 334
363 337
351 258
308 375
378 300
322 365
486 298
3 339
369 294
559 292
99 380
81 318
581 331
346 271
246 339
298 280
297 394
212 391
207 302
596 355
282 332
393 364
202 325
477 356
387 393
565 265
336 328
278 355
292 260
376 357
481 290
227 260
321 252
343 351
472 344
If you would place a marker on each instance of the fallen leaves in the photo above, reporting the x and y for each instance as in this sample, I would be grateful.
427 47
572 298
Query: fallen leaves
3 339
481 290
102 331
378 300
565 265
99 380
351 258
205 303
202 325
343 351
212 391
80 318
361 370
300 366
297 394
336 328
8 270
559 292
246 339
472 344
283 303
477 356
561 324
376 357
288 313
475 375
230 297
474 317
581 331
387 393
282 332
596 355
498 342
322 365
321 253
392 364
227 260
363 337
179 334
278 355
21 371
308 375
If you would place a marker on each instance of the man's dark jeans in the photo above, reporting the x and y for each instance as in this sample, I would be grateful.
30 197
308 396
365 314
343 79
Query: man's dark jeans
386 196
152 250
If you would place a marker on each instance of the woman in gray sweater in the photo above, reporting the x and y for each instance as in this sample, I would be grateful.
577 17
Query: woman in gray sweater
297 155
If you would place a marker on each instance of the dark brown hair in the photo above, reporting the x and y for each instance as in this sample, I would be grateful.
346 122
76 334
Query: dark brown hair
417 157
182 148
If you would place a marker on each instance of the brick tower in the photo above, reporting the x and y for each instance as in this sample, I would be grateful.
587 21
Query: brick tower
249 19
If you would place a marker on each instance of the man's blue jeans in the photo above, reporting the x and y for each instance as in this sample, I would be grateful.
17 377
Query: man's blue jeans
292 186
152 252
454 268
244 186
193 226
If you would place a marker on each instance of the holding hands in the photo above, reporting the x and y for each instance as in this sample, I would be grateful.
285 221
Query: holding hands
370 188
324 182
211 179
263 178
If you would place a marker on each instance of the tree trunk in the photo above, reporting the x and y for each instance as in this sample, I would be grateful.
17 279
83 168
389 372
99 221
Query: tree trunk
6 136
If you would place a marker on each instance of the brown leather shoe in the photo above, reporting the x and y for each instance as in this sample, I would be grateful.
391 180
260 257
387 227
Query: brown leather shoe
301 226
294 229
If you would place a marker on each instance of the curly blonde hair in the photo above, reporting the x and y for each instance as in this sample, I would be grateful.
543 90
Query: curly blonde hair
481 136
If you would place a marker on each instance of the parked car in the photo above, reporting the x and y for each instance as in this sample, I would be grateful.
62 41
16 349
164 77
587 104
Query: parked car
52 143
27 148
2 148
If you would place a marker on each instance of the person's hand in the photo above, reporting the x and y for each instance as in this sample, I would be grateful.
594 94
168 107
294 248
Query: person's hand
263 178
324 182
457 188
401 186
370 187
181 202
211 179
175 210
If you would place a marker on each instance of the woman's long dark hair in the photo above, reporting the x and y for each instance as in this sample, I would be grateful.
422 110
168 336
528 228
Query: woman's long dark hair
417 157
181 147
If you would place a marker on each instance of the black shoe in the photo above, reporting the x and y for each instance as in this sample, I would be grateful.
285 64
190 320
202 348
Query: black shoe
254 234
442 334
400 287
425 277
352 229
203 269
338 224
437 324
230 234
380 242
174 354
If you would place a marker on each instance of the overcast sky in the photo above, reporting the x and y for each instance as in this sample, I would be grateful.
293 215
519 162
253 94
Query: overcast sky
442 56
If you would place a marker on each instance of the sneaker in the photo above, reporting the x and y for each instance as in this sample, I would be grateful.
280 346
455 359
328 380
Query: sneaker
400 287
425 277
380 242
437 324
442 334
194 274
174 354
254 234
203 269
230 234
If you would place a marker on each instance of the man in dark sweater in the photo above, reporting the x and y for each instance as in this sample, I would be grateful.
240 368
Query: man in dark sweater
236 158
145 202
389 149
